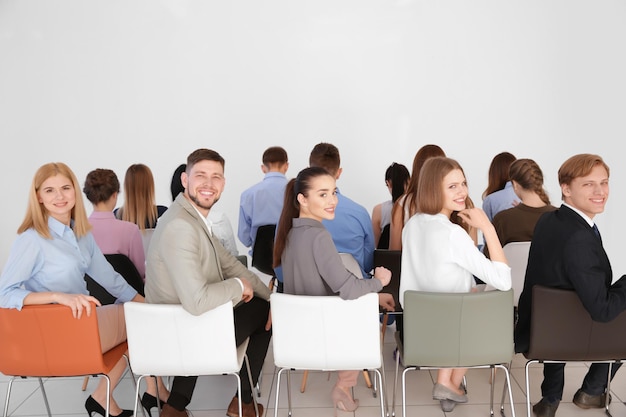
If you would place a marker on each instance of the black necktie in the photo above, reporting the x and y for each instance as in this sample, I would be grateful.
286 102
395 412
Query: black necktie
596 231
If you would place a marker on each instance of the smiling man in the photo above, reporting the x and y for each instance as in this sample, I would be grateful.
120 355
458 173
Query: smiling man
187 265
566 252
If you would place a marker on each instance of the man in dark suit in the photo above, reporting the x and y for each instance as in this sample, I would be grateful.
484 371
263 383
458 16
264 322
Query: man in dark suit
566 252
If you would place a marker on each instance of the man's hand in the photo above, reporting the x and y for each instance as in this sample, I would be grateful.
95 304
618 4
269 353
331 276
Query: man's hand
268 325
385 300
248 293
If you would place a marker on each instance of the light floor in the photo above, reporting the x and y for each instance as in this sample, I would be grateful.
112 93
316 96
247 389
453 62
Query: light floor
213 394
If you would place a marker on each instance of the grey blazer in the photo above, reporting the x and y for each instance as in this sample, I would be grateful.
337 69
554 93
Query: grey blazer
186 265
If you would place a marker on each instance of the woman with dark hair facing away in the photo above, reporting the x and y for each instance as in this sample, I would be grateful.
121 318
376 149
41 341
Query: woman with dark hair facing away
310 262
48 261
499 194
439 256
517 224
139 198
406 205
396 179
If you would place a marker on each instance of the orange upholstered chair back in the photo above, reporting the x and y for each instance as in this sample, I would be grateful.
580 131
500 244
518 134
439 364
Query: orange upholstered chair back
46 340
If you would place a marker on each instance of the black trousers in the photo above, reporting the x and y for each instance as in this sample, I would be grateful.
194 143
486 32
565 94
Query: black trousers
593 384
250 320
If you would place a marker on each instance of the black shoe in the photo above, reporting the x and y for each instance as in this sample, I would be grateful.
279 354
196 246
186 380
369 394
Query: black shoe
92 406
584 400
149 402
545 409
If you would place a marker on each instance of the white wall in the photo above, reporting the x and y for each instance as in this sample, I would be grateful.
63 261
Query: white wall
116 82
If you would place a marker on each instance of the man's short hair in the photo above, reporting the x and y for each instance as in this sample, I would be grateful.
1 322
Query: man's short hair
325 155
579 166
275 155
203 154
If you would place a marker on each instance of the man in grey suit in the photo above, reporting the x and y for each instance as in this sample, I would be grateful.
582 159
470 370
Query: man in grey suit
187 265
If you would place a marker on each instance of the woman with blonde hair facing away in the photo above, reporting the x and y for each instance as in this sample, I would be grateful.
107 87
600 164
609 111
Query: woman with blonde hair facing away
517 224
139 198
310 262
48 262
439 255
406 205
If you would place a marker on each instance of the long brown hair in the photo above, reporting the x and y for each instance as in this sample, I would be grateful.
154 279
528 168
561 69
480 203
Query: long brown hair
139 196
37 215
528 175
291 207
498 172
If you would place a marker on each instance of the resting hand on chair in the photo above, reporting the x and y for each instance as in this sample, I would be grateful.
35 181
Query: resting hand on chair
385 300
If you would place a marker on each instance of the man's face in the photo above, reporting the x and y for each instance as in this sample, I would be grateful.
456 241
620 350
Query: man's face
589 193
204 184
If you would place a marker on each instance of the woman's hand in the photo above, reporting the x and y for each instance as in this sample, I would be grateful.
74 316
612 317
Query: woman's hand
78 303
382 274
475 217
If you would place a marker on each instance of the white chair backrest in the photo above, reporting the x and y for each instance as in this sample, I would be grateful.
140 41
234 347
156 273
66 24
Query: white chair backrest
146 235
351 264
325 332
517 255
164 339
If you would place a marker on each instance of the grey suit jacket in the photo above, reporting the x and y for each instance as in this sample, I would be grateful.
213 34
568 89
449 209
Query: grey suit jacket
186 265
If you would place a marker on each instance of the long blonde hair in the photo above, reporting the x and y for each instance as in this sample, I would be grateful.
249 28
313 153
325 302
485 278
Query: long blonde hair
36 213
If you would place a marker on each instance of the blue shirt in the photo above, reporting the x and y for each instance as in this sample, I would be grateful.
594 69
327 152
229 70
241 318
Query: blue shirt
259 205
500 200
352 232
38 264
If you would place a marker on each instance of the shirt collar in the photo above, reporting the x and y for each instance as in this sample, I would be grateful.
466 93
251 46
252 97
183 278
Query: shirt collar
57 227
581 214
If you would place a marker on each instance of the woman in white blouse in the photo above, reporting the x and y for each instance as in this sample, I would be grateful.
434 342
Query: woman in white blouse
440 256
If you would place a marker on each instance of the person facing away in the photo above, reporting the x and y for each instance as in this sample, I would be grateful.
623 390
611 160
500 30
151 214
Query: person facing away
310 262
396 179
112 235
499 194
261 204
406 205
517 223
352 227
188 266
566 252
48 261
139 198
439 255
218 221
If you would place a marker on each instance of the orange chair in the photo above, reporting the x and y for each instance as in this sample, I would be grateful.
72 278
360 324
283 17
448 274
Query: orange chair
47 341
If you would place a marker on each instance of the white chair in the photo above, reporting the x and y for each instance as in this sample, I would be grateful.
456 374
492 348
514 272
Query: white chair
196 345
325 333
517 255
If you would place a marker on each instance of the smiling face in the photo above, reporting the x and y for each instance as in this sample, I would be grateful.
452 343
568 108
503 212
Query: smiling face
58 196
204 184
321 199
589 193
454 192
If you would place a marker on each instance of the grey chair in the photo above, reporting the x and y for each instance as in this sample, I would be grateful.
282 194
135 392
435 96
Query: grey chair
561 330
478 334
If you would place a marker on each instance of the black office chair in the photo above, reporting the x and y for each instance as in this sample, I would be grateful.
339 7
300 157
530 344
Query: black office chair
383 240
126 268
392 260
263 251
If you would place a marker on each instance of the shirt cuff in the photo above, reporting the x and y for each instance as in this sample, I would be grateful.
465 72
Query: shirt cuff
240 283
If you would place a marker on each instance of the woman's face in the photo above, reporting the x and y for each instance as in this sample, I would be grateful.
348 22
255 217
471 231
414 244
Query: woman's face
321 200
58 196
454 192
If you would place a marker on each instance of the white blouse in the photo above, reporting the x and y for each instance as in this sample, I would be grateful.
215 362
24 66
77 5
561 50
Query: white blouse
439 256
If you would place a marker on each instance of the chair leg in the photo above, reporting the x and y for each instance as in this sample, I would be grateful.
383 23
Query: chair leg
85 382
305 374
45 397
256 406
368 381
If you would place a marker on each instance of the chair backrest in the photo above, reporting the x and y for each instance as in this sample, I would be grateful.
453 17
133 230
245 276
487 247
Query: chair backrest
165 339
562 329
517 255
243 259
392 260
325 332
383 240
263 249
46 340
457 329
351 264
146 236
126 268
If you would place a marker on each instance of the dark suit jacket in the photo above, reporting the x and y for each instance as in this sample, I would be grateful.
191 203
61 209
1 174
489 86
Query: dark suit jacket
566 253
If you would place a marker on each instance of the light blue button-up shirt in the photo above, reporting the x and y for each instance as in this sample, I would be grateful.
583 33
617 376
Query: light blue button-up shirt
38 264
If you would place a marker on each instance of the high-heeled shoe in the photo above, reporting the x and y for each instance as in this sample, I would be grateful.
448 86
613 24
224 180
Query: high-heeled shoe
92 406
343 401
149 402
